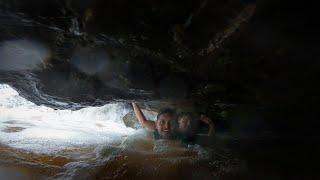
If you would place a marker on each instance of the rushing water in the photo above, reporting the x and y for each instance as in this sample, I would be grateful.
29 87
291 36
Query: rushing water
27 126
94 143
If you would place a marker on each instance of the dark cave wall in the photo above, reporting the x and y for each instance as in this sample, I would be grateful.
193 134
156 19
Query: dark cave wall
275 64
261 78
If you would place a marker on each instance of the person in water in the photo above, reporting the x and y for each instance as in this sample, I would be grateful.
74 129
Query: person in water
163 128
188 128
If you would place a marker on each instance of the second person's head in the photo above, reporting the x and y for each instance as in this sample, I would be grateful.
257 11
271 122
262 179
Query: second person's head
185 122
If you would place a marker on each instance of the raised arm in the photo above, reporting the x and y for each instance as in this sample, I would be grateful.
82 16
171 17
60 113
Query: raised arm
209 122
150 125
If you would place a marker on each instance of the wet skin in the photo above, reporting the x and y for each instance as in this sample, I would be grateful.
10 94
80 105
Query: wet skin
166 126
184 123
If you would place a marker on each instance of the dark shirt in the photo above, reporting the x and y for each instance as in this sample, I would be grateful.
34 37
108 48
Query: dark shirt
186 138
156 135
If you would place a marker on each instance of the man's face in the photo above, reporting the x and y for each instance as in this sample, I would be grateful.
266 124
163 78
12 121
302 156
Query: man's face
165 126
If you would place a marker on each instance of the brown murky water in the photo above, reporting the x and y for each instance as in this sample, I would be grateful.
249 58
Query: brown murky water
21 164
135 159
17 164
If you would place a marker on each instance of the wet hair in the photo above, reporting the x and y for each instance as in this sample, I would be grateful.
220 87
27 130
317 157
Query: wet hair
168 111
183 114
193 124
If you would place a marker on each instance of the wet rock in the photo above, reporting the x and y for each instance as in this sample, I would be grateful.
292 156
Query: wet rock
17 122
13 129
102 51
130 119
179 105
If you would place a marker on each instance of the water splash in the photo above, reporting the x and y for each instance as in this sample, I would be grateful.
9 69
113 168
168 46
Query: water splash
42 129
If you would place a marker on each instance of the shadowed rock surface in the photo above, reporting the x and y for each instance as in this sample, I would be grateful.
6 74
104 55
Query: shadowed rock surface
96 52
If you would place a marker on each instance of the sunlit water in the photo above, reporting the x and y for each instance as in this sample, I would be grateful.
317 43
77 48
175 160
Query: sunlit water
94 143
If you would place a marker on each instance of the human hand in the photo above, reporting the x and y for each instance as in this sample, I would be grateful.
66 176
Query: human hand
134 105
206 119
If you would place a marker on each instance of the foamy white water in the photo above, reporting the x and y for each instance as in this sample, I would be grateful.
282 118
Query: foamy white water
42 129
